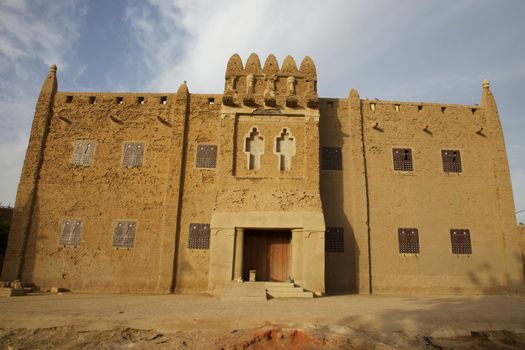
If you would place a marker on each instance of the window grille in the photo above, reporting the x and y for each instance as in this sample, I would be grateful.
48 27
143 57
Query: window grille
71 232
199 237
133 154
460 241
334 240
403 159
451 161
124 236
408 240
331 158
206 156
83 153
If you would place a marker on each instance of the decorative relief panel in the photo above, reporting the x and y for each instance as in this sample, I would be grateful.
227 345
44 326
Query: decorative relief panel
283 155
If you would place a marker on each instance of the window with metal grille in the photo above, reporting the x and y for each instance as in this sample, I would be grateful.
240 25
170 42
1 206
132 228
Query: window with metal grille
83 153
206 156
408 240
331 158
199 237
451 161
133 154
403 159
334 240
124 236
71 232
460 240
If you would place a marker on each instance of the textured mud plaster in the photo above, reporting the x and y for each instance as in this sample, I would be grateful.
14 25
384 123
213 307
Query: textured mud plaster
367 199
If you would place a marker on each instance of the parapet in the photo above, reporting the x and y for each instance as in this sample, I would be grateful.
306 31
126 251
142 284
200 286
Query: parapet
271 86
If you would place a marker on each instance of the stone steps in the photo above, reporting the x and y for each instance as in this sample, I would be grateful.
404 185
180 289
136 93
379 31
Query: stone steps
13 292
286 290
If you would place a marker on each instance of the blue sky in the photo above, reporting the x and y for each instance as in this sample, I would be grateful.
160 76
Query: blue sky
409 50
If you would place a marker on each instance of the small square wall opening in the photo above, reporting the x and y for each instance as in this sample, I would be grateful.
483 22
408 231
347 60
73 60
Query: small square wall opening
92 100
69 99
402 159
451 161
119 100
330 104
372 106
211 100
397 108
163 100
408 240
460 241
140 100
331 158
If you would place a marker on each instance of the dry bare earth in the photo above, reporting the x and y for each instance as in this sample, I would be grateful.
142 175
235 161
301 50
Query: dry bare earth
200 322
266 337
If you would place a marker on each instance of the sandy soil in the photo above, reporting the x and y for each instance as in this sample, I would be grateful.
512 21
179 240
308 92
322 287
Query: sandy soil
92 321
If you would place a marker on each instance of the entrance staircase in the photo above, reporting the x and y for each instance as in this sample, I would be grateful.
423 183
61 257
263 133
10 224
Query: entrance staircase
285 290
262 291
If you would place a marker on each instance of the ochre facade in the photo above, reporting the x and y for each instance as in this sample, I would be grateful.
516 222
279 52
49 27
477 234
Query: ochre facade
183 192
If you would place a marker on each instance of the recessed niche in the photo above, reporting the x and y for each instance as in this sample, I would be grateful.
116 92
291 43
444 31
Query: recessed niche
285 149
254 148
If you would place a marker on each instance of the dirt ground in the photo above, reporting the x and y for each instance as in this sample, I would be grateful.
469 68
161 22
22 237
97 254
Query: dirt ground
88 321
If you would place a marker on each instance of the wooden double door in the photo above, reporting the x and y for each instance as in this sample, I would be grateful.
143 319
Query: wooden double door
269 253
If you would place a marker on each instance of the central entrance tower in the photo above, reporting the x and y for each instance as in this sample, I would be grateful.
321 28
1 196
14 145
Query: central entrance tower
267 210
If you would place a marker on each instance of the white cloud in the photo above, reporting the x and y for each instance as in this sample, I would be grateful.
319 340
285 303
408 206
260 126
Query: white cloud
32 35
349 33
